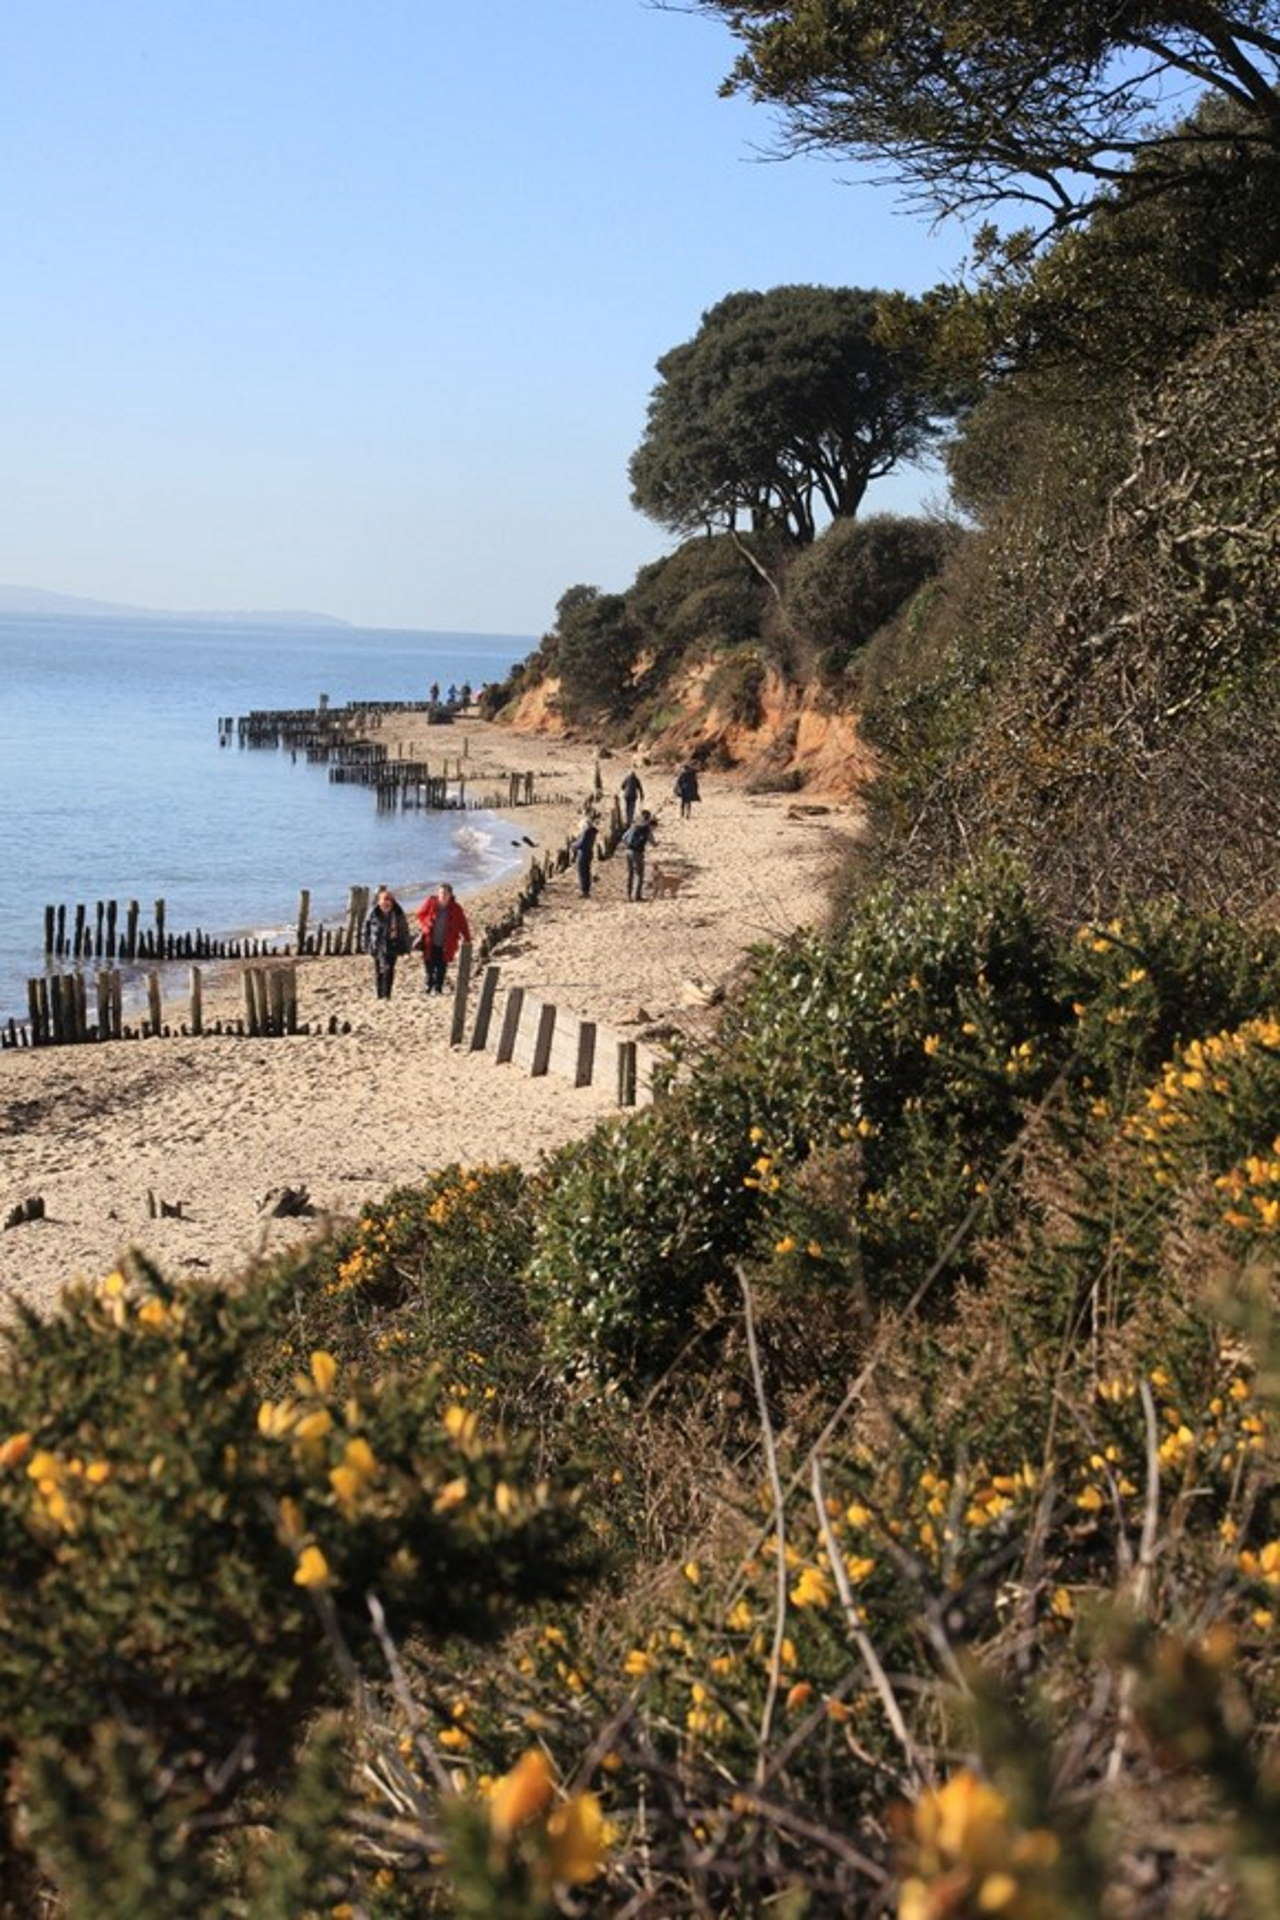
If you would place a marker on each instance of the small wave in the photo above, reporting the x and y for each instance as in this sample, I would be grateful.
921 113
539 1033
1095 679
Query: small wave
474 846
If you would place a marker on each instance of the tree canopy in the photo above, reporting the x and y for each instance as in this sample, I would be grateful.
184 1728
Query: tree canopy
976 101
782 404
593 650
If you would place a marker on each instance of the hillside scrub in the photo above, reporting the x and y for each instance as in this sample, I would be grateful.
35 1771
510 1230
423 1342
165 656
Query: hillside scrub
1099 694
856 577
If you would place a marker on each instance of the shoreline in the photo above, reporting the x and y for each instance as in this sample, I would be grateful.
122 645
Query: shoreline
215 1123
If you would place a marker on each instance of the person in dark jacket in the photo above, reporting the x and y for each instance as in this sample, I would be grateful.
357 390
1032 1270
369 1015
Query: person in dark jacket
444 928
583 850
631 791
386 937
637 840
687 789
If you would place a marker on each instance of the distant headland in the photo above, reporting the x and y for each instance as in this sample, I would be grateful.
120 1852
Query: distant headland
35 600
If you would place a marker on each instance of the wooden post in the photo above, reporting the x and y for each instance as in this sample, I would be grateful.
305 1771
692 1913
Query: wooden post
626 1073
484 1009
60 936
131 932
542 1042
197 1001
304 909
291 1000
153 994
82 1008
510 1025
117 1005
77 939
275 1002
97 935
48 932
104 1004
250 1002
112 910
462 982
586 1062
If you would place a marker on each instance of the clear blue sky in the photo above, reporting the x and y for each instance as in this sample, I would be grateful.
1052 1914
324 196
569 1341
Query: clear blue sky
353 305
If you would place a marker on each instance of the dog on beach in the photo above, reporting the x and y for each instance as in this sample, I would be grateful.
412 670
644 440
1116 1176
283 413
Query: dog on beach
666 880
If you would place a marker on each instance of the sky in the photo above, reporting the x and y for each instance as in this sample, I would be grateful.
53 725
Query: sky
353 305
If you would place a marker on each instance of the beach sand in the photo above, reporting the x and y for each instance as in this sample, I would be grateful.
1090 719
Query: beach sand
214 1124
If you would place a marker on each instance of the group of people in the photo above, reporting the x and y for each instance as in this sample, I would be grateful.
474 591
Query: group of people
443 926
638 835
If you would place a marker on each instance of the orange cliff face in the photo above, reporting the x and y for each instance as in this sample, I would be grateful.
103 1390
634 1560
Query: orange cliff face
798 731
535 711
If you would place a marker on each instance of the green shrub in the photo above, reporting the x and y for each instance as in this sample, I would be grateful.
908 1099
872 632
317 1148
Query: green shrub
856 577
703 592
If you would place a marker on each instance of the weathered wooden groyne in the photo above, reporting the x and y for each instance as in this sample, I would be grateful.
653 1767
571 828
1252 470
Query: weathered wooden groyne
335 737
62 1012
108 933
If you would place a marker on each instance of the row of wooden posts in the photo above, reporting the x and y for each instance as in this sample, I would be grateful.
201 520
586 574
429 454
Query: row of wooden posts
530 1032
61 1013
542 1038
110 932
304 726
410 783
109 935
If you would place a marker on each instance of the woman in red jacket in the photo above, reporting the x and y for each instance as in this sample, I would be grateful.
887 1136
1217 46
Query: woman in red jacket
444 928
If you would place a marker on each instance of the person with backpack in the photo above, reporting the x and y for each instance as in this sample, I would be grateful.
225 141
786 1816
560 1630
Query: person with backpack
631 791
386 937
444 928
687 789
637 840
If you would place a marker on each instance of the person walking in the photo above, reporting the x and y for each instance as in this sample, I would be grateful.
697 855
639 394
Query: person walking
583 850
444 928
687 789
386 937
631 791
637 840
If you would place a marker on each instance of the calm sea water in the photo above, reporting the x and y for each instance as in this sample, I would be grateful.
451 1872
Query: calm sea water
113 785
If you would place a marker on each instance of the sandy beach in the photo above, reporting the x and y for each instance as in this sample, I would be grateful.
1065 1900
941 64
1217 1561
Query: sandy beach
214 1124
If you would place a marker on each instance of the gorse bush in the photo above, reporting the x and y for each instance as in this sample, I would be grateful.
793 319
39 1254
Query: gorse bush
862 1099
432 1276
166 1531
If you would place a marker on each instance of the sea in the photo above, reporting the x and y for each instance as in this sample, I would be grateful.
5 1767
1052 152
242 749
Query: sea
113 784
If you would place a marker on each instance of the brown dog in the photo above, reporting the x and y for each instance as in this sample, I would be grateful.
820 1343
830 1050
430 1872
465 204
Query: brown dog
665 880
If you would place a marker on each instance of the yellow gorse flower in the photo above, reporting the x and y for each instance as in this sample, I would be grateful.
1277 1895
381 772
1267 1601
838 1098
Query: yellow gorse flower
459 1424
577 1840
522 1794
324 1370
812 1589
15 1449
312 1570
